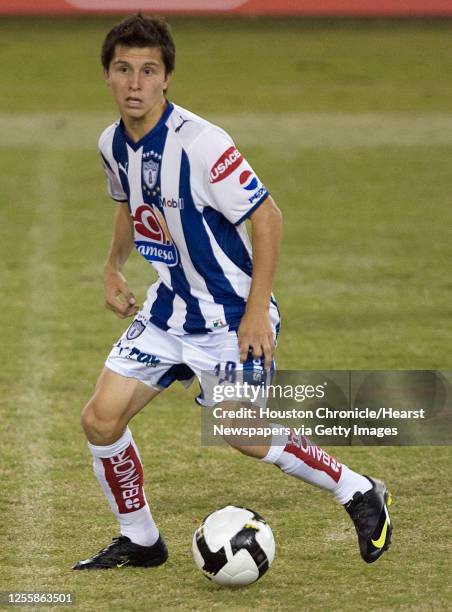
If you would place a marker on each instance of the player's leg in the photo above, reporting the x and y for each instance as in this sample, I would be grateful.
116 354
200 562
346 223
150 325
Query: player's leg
365 499
116 460
295 455
140 365
117 466
115 401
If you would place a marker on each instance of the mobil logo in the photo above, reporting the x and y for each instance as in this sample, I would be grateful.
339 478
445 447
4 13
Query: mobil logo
225 165
248 181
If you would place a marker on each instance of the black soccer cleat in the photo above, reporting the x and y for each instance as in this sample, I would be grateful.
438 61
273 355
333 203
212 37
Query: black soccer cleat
369 512
122 552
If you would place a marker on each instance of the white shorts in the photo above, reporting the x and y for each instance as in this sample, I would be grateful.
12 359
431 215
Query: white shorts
158 358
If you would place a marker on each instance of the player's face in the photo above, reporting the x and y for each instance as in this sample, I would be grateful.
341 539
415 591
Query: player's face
137 80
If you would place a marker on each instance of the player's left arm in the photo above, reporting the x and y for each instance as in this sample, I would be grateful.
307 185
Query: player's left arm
255 328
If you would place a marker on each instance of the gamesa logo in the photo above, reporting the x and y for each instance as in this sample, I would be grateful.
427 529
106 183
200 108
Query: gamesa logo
158 5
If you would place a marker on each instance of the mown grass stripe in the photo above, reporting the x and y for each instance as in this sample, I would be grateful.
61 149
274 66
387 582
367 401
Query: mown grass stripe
69 131
34 403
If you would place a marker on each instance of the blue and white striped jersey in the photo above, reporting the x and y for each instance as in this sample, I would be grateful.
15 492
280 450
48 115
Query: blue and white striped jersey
189 191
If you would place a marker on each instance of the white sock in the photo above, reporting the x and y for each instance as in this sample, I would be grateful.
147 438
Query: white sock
119 471
297 456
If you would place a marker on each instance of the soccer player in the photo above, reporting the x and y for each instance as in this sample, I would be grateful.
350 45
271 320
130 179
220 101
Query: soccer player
183 192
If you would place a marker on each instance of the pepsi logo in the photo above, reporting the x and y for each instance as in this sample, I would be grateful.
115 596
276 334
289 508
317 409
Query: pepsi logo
225 165
248 180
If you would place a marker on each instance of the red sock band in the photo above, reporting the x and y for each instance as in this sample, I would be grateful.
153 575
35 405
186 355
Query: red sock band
314 456
124 474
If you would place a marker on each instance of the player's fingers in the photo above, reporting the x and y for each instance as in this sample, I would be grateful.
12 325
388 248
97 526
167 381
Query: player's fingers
129 296
131 299
268 354
110 303
119 306
257 349
126 294
125 311
244 354
128 310
244 347
132 310
271 342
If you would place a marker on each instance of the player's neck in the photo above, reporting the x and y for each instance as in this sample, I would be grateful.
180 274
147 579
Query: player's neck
137 128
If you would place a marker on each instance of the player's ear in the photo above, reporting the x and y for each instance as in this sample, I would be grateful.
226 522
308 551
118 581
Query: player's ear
107 76
168 79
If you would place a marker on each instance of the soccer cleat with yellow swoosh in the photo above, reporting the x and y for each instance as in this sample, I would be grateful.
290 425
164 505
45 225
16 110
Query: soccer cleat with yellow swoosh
369 513
122 552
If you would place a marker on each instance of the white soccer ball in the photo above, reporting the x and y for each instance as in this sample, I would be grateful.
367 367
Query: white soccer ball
233 546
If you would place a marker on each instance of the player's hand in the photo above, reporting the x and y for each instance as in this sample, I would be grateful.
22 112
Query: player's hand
118 297
255 331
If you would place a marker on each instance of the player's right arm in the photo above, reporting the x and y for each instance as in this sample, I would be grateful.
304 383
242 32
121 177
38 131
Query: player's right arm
118 297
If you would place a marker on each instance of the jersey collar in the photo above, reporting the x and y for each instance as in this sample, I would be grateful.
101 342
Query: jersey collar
136 145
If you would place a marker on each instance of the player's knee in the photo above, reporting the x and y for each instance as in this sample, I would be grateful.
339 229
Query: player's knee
98 427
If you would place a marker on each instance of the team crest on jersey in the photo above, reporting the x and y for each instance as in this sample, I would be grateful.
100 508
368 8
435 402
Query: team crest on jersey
150 172
152 238
135 330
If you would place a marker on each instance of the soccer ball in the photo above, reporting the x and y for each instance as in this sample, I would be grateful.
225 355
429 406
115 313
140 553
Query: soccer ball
233 546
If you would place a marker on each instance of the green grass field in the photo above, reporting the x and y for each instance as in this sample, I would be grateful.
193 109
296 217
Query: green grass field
350 126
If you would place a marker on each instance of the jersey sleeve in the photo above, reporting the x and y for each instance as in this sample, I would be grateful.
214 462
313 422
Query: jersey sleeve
226 180
114 187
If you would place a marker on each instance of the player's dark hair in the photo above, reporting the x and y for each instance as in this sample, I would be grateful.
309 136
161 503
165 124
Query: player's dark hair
140 31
